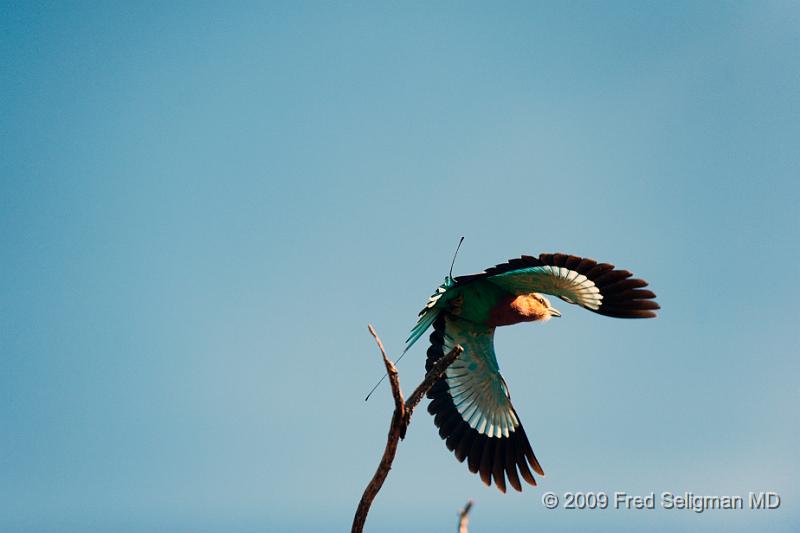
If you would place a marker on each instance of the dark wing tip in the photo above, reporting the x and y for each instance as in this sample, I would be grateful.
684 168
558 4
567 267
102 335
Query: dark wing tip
499 461
528 451
627 298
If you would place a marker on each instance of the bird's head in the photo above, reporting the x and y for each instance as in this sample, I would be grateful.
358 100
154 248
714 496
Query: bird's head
523 308
550 311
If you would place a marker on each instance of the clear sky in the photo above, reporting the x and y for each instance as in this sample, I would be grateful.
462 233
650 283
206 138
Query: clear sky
203 205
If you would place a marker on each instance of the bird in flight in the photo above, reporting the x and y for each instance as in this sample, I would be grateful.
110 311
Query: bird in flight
471 403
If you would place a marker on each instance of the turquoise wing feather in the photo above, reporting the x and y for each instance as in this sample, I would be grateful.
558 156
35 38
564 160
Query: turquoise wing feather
431 311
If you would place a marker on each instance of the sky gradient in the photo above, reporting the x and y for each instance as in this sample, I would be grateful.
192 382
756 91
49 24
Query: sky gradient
202 206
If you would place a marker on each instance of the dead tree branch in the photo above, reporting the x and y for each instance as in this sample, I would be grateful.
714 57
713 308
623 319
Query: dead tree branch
463 519
400 420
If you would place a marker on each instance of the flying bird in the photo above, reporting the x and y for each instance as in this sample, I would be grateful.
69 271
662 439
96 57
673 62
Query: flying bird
471 403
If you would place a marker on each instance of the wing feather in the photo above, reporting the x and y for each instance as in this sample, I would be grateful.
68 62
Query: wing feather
599 287
472 408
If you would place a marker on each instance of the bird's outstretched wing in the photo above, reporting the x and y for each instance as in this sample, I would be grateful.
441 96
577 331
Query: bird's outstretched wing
472 406
599 287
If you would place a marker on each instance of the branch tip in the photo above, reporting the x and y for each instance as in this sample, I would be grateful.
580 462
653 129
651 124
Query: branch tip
463 518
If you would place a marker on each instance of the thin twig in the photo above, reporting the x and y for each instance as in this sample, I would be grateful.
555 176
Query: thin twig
400 420
391 370
463 519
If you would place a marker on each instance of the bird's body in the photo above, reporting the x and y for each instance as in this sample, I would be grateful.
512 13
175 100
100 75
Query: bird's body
471 403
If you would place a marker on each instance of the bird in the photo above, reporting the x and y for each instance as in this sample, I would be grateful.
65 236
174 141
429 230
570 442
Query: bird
471 403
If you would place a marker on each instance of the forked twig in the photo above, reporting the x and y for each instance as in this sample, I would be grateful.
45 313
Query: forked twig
400 420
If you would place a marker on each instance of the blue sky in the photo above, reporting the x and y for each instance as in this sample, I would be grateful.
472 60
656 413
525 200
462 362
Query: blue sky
203 205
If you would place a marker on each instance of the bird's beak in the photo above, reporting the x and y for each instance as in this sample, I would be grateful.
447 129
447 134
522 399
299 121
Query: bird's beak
554 312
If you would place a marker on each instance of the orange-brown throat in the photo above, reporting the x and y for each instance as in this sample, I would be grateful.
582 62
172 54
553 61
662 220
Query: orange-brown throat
515 309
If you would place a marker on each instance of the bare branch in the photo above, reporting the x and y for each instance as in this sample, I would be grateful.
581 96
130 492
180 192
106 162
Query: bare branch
397 428
463 519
